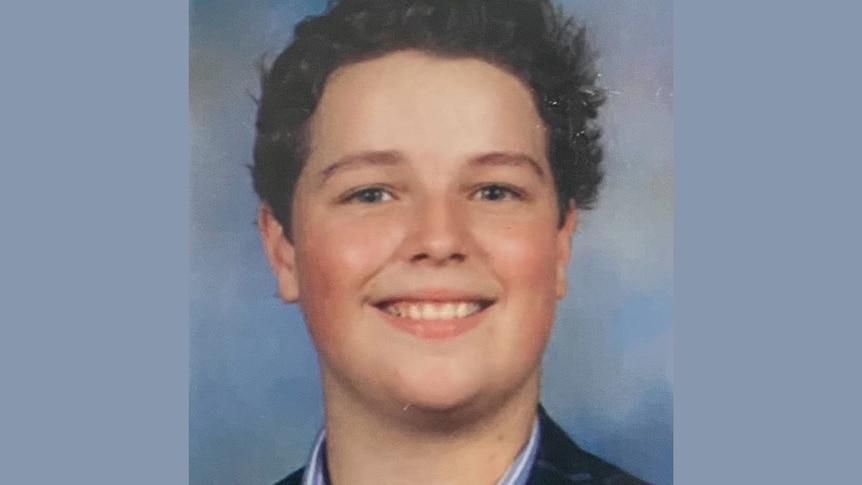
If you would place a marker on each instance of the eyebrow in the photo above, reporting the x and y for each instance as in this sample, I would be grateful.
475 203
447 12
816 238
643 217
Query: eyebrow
354 160
394 157
511 159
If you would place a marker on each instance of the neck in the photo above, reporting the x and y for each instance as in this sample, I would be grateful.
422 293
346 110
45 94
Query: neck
473 444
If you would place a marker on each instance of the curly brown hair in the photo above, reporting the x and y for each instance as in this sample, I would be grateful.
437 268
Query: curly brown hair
531 39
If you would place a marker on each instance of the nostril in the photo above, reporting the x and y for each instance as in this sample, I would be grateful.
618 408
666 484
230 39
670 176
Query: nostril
455 256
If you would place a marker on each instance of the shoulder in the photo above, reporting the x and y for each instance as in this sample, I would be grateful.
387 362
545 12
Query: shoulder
294 478
559 461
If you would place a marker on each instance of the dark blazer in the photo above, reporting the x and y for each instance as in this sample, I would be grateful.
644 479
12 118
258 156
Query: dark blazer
559 461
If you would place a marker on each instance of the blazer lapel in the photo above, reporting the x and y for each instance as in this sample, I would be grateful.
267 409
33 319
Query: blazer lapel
559 461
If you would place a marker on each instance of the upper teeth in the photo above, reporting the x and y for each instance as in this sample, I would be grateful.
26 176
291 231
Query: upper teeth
432 311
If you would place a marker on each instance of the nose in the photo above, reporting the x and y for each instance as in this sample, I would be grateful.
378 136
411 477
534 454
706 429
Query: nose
439 233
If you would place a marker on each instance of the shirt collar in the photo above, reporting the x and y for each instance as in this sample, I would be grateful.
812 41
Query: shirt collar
516 474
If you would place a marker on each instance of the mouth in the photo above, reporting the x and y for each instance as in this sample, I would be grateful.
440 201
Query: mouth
433 310
434 319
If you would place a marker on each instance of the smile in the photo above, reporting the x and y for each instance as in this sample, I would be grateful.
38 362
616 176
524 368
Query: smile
434 317
432 311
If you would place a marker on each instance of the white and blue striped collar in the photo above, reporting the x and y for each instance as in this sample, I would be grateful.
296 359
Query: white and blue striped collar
517 474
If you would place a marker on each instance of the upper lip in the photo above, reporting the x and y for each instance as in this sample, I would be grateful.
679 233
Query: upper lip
434 295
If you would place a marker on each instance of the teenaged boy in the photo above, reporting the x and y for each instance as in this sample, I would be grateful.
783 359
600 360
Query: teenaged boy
420 165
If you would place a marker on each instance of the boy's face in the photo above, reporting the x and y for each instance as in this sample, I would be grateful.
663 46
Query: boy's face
426 253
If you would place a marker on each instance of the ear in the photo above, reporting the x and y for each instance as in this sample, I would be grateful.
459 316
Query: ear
564 247
280 252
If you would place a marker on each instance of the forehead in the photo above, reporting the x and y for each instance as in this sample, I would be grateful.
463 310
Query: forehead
421 104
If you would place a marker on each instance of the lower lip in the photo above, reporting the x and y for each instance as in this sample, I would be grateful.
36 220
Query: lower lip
439 329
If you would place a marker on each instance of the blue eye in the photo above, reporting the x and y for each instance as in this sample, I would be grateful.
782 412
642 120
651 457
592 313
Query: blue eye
496 192
370 195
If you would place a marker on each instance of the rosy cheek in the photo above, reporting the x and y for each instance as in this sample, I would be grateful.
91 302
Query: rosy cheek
365 246
524 254
340 255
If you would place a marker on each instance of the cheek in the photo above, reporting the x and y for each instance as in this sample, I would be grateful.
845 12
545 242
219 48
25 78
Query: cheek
524 262
365 247
341 251
336 259
524 257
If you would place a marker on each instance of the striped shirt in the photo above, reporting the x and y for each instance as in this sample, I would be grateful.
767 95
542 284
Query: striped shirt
517 473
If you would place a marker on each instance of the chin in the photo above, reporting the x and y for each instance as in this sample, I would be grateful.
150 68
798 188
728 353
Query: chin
446 400
436 391
439 401
455 386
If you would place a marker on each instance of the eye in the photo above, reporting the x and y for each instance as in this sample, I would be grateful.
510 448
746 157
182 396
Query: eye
495 192
370 195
